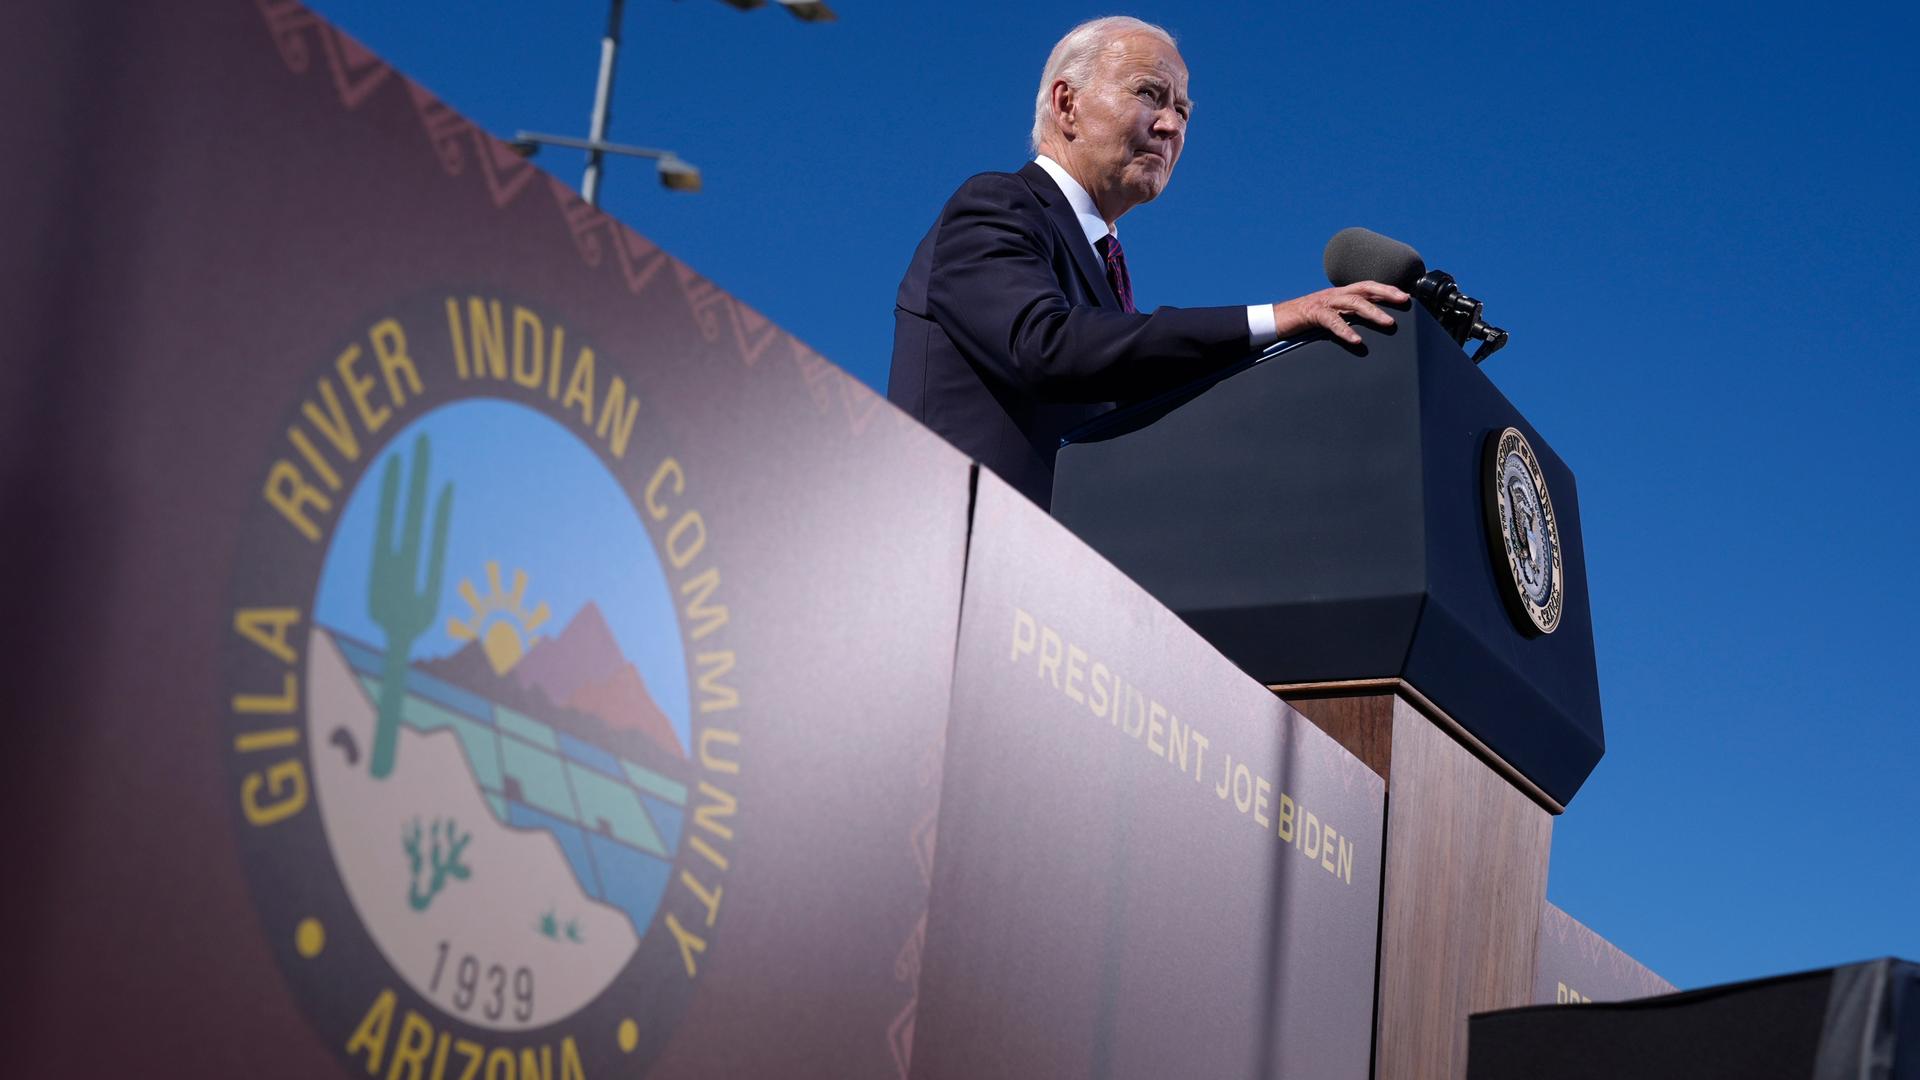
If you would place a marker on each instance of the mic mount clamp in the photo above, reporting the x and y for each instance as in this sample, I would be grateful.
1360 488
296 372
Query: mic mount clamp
1458 314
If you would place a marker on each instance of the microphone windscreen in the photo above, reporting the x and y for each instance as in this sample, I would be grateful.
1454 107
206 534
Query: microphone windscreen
1358 254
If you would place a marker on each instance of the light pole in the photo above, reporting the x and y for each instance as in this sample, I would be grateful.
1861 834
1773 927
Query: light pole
602 102
675 173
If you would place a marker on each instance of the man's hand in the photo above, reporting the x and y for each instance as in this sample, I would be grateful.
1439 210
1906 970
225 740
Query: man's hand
1328 310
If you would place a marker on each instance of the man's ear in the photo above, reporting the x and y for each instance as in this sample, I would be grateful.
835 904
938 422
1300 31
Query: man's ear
1063 105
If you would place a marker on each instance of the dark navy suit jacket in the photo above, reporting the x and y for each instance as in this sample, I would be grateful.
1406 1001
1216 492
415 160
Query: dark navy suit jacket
1007 335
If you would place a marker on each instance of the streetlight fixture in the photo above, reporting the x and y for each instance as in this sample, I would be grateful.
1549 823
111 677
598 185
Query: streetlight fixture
804 10
675 172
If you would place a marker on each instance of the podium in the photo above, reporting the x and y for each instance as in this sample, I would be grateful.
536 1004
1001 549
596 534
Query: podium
1321 515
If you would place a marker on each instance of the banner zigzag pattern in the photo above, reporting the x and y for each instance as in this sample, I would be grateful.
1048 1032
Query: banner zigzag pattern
356 71
506 172
592 228
715 311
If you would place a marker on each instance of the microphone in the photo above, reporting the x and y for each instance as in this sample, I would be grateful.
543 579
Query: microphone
1356 254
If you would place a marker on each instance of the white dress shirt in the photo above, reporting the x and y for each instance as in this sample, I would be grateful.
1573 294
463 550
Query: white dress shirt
1261 331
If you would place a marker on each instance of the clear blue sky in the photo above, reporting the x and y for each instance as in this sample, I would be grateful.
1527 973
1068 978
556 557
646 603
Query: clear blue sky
1698 221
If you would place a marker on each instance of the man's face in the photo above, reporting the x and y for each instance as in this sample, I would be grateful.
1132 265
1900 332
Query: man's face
1130 121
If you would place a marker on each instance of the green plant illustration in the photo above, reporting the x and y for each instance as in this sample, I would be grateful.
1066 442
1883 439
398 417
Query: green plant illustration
550 927
442 860
402 604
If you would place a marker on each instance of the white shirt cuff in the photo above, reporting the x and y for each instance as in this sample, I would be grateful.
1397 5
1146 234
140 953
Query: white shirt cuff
1261 331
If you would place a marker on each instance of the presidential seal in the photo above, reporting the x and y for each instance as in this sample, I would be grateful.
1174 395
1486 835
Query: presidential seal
483 782
1523 534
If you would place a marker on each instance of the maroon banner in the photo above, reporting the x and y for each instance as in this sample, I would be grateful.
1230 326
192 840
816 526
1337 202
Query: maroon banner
1574 965
467 641
1149 865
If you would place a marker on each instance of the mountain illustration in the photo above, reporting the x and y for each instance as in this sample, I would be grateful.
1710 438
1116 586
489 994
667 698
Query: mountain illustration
583 671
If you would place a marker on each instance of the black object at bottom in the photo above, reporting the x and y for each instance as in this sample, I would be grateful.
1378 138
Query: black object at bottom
1860 1022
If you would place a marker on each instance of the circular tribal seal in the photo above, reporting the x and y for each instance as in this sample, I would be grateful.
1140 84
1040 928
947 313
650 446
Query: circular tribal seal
1523 533
484 783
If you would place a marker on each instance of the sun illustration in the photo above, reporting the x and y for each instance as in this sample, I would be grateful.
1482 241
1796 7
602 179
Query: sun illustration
500 619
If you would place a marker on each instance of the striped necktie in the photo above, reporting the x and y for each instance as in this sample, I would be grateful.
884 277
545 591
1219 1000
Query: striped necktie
1116 260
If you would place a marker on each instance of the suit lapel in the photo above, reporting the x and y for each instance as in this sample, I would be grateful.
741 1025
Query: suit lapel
1067 224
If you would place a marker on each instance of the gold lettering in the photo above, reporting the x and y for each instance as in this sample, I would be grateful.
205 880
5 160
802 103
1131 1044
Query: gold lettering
459 345
489 337
679 553
305 445
529 360
707 815
691 943
371 1036
1285 818
410 1050
618 414
1155 725
553 370
390 352
273 739
1260 789
287 781
267 627
710 759
288 492
280 704
716 696
668 469
360 390
580 388
697 608
499 1064
332 424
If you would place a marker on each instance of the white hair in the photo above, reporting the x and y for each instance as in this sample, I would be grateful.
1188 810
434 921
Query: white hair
1072 60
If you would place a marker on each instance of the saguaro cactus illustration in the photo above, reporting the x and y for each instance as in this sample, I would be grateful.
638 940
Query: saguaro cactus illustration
401 602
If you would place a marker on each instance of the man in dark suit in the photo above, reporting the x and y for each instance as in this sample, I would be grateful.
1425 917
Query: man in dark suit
1015 322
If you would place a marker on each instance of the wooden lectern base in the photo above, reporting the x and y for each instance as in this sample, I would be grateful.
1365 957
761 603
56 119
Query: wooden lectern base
1465 874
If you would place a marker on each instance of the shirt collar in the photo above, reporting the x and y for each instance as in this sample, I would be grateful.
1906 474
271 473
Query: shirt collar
1090 220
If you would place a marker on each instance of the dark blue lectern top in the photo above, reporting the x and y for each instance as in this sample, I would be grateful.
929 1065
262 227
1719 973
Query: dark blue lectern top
1318 516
